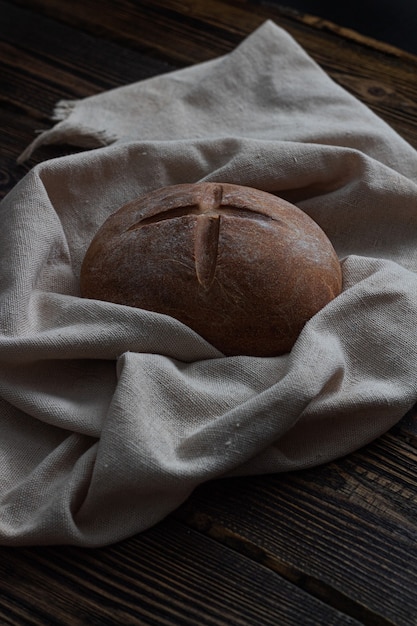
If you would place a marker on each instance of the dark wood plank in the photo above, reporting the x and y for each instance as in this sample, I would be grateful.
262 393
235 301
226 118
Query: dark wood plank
41 44
43 61
381 80
187 37
406 429
269 549
169 575
345 532
380 76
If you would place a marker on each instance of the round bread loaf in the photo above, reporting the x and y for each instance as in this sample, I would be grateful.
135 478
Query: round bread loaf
241 267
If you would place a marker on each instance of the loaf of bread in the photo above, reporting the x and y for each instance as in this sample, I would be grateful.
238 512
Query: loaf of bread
241 267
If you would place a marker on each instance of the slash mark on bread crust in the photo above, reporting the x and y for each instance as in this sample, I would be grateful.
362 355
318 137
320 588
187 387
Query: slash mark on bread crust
206 244
169 214
212 199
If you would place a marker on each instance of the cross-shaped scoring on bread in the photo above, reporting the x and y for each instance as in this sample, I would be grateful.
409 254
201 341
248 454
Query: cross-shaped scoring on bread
242 267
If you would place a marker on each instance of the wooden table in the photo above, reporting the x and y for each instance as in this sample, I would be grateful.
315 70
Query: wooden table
332 545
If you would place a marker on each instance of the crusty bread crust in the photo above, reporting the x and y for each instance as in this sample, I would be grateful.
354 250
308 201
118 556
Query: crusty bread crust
242 267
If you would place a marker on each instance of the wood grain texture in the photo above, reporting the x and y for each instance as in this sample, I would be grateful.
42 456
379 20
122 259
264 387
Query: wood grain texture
345 532
333 545
381 76
406 429
43 61
168 575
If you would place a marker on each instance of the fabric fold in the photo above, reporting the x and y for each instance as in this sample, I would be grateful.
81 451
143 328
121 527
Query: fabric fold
111 416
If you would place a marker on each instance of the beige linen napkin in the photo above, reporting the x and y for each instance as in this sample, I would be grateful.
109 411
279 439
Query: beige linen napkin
111 416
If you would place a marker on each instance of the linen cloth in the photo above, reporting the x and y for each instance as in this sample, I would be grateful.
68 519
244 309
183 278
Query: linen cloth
110 416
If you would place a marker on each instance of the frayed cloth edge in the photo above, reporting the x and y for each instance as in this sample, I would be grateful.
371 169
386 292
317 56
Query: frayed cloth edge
66 132
63 110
